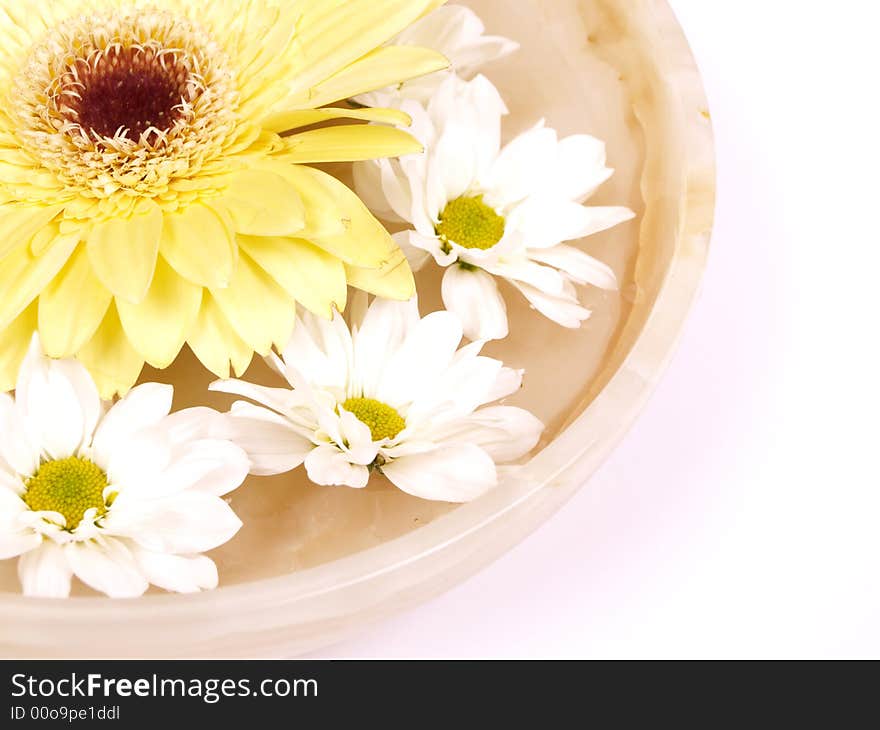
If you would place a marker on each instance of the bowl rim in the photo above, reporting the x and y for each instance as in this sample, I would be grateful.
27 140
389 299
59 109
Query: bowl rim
314 605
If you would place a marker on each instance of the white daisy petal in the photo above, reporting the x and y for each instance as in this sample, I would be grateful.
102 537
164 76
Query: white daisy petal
432 245
144 406
381 333
357 440
427 351
13 544
580 168
479 53
137 462
454 169
368 184
475 109
108 567
86 393
329 466
489 108
16 448
598 219
423 129
272 444
474 297
439 476
193 423
177 573
11 504
321 350
58 401
447 28
10 482
464 387
578 265
15 538
45 572
456 32
547 279
509 381
471 383
408 448
519 167
565 311
417 248
278 399
396 190
504 432
544 222
186 523
212 466
326 411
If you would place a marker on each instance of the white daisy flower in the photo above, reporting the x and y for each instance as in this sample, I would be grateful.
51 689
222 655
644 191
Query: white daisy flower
395 395
484 212
120 498
458 33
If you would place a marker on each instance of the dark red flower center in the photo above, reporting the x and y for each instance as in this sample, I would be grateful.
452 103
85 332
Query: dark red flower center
127 90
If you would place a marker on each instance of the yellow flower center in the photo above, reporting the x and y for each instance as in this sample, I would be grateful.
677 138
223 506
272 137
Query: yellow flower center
383 420
471 223
68 486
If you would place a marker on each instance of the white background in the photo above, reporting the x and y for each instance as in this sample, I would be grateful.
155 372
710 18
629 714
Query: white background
741 516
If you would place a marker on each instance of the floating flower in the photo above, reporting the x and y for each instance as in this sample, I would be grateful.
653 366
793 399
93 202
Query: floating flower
122 498
147 197
394 395
456 32
484 212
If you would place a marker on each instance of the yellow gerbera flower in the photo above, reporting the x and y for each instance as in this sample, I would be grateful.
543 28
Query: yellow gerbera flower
147 197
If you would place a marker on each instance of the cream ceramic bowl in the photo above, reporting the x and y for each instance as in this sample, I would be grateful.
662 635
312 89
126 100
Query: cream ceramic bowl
314 564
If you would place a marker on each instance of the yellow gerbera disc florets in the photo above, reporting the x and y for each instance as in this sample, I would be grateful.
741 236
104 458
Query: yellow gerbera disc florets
147 196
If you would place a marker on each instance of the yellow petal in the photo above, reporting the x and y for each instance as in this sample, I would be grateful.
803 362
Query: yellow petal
113 362
364 242
263 38
383 67
16 339
394 280
158 326
315 278
123 251
44 238
262 203
199 244
215 343
349 143
259 310
23 276
332 34
17 168
432 5
72 307
324 215
20 223
287 120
